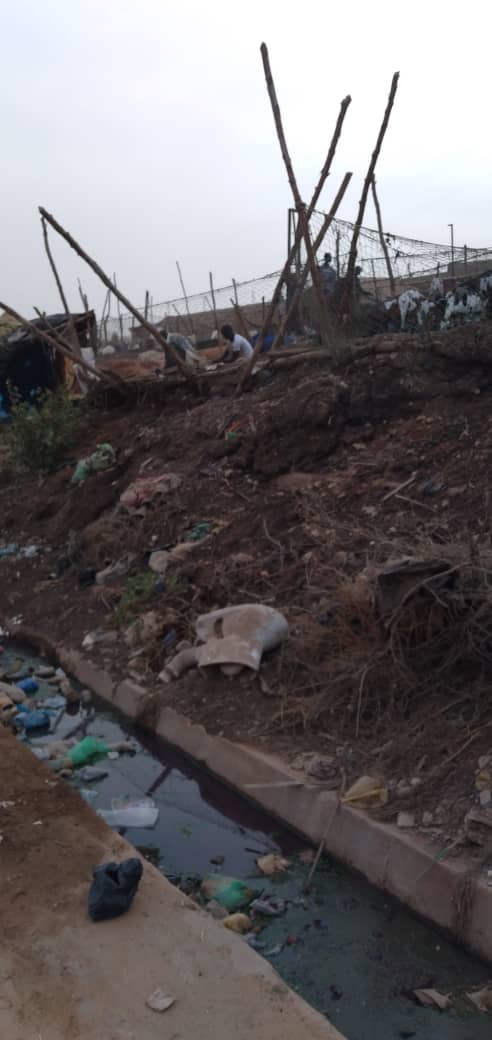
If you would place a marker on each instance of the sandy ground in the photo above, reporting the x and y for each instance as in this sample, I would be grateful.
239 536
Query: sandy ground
62 977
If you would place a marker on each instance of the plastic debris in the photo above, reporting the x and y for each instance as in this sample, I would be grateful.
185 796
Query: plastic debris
86 750
56 701
255 943
432 998
140 812
102 458
198 532
275 950
89 773
160 1001
365 792
32 720
113 888
145 489
8 550
405 819
239 923
228 892
88 794
28 685
268 907
482 998
272 863
44 671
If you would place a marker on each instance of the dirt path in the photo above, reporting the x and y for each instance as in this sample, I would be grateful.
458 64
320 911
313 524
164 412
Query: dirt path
64 978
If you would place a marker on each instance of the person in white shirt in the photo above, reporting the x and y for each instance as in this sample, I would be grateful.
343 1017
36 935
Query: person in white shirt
237 346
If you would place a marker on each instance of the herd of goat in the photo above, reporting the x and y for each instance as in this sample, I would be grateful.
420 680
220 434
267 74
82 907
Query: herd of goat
413 310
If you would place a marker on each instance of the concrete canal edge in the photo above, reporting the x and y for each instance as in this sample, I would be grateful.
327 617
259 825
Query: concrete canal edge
401 863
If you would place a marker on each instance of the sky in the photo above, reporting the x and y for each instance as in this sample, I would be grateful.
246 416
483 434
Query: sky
145 128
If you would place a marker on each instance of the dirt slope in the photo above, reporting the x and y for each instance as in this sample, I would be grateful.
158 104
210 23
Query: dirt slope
310 483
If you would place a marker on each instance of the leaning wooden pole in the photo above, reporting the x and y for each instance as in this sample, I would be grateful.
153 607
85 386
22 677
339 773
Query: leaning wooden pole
300 207
212 292
63 298
151 329
349 274
382 239
61 345
240 317
185 294
297 239
303 277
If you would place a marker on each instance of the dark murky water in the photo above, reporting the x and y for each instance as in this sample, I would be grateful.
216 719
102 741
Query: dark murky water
348 949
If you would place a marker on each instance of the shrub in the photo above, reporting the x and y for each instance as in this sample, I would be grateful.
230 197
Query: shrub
42 431
138 591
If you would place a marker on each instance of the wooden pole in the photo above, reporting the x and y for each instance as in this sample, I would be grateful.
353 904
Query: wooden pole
240 317
118 311
302 280
382 239
349 275
63 346
297 238
71 327
216 320
337 253
151 329
83 297
146 304
303 219
190 319
234 284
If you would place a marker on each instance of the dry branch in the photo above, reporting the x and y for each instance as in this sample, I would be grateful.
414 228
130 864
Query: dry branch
151 329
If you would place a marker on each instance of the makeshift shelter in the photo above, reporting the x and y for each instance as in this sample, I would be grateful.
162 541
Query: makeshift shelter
28 365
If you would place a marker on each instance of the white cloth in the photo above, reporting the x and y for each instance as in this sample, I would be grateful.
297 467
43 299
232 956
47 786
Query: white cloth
241 346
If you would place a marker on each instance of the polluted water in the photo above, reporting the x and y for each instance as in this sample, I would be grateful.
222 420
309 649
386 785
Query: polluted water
350 950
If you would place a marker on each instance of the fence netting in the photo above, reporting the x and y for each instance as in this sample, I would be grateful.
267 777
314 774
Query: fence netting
410 259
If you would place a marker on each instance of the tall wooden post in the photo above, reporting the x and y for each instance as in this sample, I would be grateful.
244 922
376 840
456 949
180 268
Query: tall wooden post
349 276
382 239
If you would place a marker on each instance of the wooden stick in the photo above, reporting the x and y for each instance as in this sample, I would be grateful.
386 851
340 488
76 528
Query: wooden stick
213 301
151 329
317 244
146 304
234 284
382 239
190 319
71 327
337 253
61 345
118 311
349 275
83 297
240 317
297 239
374 280
300 207
300 285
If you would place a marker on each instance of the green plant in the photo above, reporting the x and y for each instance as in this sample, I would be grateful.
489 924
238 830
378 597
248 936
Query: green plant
138 590
41 432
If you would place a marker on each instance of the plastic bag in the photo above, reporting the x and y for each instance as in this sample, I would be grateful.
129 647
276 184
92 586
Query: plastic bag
86 750
28 685
228 892
113 888
140 812
31 720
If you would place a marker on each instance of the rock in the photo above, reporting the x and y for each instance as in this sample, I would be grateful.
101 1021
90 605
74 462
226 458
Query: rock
405 819
160 1001
427 819
85 696
240 923
159 561
403 787
485 796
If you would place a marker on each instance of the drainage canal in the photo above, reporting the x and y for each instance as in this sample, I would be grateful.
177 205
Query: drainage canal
351 951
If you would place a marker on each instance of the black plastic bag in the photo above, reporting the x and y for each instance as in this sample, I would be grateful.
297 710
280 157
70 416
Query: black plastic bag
113 888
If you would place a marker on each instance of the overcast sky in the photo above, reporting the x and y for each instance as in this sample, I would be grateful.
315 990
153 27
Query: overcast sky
145 127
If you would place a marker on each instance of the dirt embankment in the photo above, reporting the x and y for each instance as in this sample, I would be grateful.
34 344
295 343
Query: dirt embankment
309 485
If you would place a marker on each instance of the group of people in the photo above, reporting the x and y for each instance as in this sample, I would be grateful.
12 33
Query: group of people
236 346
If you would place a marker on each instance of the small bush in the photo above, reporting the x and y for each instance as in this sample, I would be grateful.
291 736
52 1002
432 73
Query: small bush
42 431
138 591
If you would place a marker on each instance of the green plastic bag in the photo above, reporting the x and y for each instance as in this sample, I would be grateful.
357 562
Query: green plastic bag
86 750
231 893
102 458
